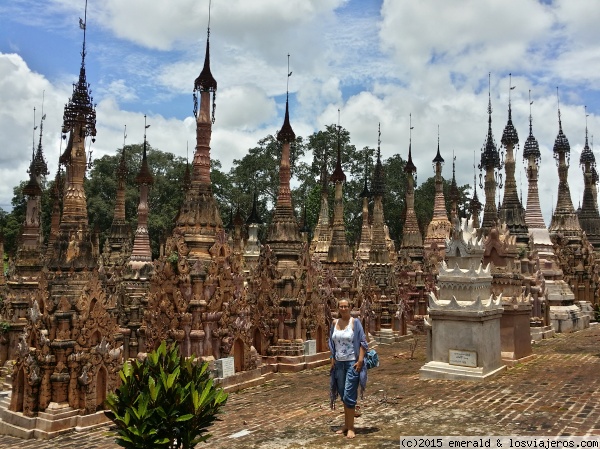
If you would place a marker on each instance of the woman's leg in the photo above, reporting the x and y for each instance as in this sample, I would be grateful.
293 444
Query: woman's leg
349 421
340 376
350 397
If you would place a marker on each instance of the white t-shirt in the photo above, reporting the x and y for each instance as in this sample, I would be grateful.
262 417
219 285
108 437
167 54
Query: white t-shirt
344 342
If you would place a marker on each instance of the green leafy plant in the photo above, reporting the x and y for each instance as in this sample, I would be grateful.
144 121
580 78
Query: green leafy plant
173 258
4 327
165 401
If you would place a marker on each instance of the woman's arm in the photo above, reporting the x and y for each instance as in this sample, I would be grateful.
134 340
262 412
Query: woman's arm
332 344
362 345
361 357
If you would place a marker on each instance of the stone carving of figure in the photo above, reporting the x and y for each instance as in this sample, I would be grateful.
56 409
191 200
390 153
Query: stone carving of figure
73 249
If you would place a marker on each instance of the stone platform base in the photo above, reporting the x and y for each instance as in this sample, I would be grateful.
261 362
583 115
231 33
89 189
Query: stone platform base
586 309
540 333
387 337
293 364
509 360
244 379
445 371
48 424
271 365
568 318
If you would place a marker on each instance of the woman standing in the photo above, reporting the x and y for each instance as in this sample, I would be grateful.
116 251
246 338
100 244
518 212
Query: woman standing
348 346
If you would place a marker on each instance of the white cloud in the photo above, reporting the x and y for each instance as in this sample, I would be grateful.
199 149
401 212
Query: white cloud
119 90
245 107
21 90
427 58
466 36
161 25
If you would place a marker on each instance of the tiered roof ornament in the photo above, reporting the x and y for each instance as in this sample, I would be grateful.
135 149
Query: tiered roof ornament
305 229
378 252
364 246
141 254
438 230
144 176
29 260
587 156
286 133
254 217
491 163
252 248
80 111
339 252
564 218
199 221
589 218
284 234
475 205
206 81
117 245
38 166
532 154
73 247
365 191
378 184
595 176
412 240
511 211
338 174
322 235
454 193
509 135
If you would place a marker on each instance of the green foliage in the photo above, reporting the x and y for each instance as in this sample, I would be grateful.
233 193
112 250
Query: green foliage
165 401
165 195
394 200
11 223
257 172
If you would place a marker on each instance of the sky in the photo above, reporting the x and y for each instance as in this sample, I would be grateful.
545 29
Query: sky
378 61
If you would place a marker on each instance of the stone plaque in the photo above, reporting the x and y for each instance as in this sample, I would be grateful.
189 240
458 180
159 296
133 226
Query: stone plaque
463 358
225 367
310 347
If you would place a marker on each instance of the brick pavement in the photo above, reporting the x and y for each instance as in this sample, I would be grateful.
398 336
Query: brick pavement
557 393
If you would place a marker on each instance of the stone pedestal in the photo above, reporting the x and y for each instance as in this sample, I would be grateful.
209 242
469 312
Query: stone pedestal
310 347
465 340
225 367
515 336
538 333
385 336
564 315
568 318
56 420
586 309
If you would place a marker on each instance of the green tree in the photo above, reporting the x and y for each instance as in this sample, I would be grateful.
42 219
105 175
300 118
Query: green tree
165 196
354 163
11 224
394 200
257 171
165 401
